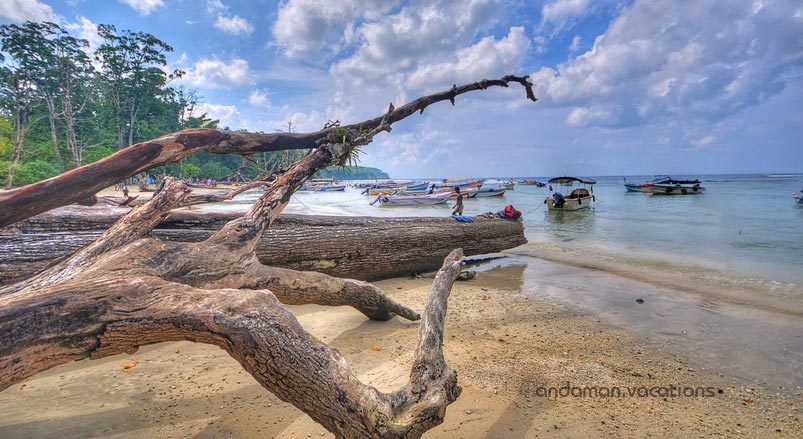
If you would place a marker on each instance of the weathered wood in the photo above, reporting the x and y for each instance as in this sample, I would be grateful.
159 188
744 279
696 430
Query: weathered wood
127 289
81 183
366 248
109 315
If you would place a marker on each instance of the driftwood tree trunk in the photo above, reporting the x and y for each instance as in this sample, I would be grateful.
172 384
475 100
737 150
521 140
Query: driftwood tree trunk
362 248
127 289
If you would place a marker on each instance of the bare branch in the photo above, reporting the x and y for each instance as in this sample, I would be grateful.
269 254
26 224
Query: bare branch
81 183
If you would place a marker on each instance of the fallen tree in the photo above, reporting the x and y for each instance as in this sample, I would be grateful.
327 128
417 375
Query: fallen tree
363 248
127 289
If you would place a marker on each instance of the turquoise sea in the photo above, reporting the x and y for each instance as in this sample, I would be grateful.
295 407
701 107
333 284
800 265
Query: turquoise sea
718 276
743 224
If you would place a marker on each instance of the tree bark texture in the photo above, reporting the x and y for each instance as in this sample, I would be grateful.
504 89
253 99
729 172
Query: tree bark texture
127 288
365 248
82 183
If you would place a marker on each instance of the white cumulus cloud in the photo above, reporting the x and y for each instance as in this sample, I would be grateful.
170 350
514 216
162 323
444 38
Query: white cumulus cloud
234 25
488 58
18 11
658 60
212 73
418 34
561 11
228 115
259 98
144 7
306 27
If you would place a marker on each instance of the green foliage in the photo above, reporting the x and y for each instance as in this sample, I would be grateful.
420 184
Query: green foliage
4 165
32 172
215 170
46 71
352 173
92 155
190 171
5 136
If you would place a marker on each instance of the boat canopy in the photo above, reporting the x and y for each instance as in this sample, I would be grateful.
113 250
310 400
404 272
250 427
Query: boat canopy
570 180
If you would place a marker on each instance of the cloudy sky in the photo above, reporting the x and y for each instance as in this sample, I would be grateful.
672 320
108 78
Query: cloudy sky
625 87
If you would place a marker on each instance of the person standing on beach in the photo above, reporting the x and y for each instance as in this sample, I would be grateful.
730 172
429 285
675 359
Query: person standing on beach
458 207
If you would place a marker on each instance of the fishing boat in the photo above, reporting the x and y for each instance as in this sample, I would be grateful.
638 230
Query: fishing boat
798 196
666 185
490 188
411 200
488 192
322 185
463 182
535 183
464 191
312 188
424 185
579 198
372 192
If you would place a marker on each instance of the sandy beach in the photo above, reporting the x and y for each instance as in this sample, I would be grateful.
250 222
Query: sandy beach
508 347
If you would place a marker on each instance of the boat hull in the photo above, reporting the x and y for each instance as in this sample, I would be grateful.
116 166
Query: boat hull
660 189
487 193
570 204
412 200
338 188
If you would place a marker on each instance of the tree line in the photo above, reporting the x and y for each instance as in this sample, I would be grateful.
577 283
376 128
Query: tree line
63 106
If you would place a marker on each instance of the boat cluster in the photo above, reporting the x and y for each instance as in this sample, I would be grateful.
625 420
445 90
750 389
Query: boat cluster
427 193
582 197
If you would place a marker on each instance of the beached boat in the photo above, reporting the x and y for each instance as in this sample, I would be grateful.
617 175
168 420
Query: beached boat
579 198
532 183
798 196
666 185
412 200
424 185
379 191
323 188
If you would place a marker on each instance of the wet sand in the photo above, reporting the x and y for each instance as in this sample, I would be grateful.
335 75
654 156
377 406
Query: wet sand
509 338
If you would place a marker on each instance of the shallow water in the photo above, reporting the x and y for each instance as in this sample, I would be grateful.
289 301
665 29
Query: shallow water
742 234
743 225
744 342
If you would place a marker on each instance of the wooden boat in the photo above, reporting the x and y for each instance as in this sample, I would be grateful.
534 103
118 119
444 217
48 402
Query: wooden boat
532 183
378 191
424 185
411 200
489 192
465 191
666 185
579 198
322 186
462 182
490 188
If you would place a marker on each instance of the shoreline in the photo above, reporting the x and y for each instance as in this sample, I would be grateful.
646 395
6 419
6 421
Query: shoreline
505 344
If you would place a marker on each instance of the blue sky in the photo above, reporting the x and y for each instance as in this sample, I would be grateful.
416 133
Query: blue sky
625 87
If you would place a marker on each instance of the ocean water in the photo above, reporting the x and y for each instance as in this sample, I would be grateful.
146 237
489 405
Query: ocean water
744 230
673 270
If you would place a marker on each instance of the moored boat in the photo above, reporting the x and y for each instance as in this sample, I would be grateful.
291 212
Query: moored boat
798 196
489 192
535 183
412 200
666 185
490 188
579 198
